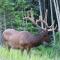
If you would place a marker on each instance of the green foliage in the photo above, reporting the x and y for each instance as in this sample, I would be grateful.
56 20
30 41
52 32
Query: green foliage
58 39
14 12
57 35
44 53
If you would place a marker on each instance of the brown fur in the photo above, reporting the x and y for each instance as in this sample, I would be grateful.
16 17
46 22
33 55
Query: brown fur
24 39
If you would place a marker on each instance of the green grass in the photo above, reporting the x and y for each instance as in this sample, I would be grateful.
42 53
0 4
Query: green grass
39 53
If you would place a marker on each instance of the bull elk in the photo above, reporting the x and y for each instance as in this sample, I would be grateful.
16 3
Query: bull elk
24 39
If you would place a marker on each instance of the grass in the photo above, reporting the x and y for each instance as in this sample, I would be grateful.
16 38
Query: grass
39 53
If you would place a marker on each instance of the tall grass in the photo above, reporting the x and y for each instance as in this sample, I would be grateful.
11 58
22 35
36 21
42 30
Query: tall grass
39 53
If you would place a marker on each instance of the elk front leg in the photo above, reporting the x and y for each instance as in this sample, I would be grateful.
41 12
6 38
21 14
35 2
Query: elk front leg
29 52
22 50
9 48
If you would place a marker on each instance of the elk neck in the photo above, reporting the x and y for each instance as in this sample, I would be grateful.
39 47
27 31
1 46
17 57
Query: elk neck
39 37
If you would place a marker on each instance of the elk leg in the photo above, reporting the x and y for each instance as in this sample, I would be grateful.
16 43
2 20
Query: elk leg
28 52
22 50
9 48
7 45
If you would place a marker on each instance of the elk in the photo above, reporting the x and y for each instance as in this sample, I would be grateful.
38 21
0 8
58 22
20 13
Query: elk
24 39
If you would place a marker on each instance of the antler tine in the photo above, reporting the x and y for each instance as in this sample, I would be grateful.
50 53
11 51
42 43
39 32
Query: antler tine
52 24
27 17
42 22
31 18
53 28
38 25
45 19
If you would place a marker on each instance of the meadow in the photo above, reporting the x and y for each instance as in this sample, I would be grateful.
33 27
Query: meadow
39 53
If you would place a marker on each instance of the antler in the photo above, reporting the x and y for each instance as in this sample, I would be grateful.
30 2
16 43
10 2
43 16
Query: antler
45 20
31 18
51 29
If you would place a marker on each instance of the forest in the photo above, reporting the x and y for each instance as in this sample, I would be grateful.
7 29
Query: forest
38 20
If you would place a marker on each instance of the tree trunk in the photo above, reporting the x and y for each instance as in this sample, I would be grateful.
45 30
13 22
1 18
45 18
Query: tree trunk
57 13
